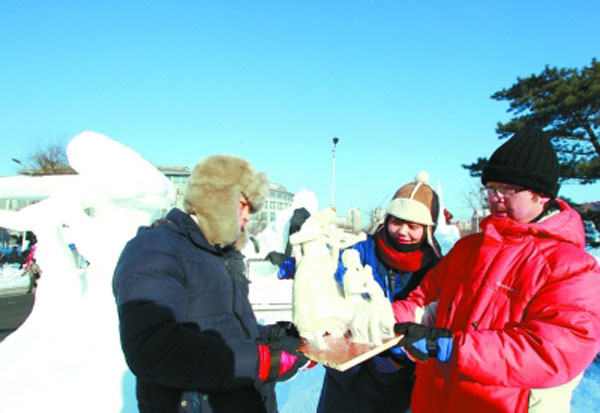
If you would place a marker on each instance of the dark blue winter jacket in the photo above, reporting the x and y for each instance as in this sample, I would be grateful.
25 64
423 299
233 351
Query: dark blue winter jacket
188 331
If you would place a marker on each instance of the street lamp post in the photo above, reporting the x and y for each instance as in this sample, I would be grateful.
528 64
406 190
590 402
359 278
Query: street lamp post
18 162
335 141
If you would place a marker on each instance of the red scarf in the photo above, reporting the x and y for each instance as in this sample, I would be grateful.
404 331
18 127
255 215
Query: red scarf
403 261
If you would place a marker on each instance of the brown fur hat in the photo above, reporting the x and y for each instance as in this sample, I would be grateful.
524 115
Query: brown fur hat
416 202
213 194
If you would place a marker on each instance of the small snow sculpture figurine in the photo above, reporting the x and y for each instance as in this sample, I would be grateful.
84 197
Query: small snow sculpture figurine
373 318
319 306
357 279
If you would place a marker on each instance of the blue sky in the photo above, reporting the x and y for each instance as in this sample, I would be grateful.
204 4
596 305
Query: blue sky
405 85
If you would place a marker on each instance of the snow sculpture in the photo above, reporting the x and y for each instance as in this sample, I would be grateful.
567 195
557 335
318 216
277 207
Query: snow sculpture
71 340
318 304
358 278
446 234
373 318
271 298
320 308
275 236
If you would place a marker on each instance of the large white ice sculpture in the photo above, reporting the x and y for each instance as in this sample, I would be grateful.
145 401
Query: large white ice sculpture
66 357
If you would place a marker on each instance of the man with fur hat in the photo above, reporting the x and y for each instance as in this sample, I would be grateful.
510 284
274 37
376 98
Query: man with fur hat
400 251
518 316
188 331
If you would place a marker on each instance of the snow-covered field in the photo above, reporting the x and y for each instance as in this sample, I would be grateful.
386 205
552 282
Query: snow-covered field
66 357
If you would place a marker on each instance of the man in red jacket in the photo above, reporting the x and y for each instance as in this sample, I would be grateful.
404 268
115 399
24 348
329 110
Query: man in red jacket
518 305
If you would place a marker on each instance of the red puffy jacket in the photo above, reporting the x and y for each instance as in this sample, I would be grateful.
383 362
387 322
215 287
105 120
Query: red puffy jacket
523 302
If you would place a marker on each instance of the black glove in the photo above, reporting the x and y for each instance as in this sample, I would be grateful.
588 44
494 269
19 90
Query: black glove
276 258
286 328
279 329
278 356
423 342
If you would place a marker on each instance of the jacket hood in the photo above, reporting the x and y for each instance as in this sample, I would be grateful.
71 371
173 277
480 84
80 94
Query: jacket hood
566 226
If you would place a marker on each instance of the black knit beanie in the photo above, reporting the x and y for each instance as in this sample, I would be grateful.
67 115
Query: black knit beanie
528 160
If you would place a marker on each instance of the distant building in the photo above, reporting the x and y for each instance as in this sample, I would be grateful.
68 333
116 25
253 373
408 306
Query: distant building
14 204
10 204
278 199
472 226
590 214
477 217
464 228
350 222
353 220
589 206
377 216
178 175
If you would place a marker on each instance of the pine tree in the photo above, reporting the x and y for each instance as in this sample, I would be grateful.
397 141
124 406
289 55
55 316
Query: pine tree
565 103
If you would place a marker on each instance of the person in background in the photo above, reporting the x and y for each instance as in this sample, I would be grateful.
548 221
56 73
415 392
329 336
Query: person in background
187 329
400 252
448 216
14 257
4 237
518 316
284 260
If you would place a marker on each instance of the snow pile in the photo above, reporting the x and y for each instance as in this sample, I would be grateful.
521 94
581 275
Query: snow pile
586 397
13 280
595 252
445 234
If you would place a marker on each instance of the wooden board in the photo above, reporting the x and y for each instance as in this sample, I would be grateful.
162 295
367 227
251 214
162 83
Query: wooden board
342 354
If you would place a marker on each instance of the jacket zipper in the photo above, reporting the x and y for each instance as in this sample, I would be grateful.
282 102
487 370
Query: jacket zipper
391 282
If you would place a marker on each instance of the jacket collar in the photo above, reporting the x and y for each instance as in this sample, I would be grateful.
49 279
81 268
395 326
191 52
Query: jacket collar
565 226
188 227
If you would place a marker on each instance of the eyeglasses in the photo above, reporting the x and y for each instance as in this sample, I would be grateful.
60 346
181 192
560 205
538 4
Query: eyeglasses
501 191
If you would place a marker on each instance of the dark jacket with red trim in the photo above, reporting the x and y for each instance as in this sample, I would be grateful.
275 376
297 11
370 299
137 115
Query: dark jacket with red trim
188 331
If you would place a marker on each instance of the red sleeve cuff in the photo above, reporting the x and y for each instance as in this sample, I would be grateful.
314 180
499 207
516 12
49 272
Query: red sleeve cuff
264 361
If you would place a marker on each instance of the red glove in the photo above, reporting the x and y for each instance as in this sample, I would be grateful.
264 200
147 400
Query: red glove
278 356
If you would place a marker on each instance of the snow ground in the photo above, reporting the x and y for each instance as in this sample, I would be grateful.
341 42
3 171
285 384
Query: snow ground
302 393
13 280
